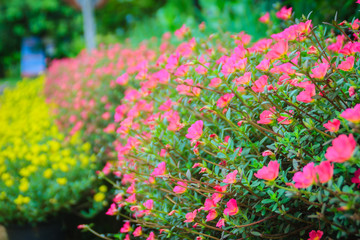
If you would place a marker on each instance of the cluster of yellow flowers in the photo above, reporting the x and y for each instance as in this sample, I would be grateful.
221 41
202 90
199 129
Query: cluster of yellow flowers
37 162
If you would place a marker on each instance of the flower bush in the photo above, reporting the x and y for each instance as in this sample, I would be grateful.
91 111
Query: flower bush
42 172
221 138
82 100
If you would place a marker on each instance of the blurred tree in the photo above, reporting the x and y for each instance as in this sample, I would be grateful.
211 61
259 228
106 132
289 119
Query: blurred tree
45 18
118 15
324 10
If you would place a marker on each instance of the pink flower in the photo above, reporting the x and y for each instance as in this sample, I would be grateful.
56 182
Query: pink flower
320 71
305 178
240 150
125 228
231 177
224 100
325 171
260 46
356 178
182 70
278 50
242 38
159 170
348 64
131 198
196 165
267 153
171 212
265 18
172 62
112 210
195 131
312 50
151 236
267 116
81 226
202 69
306 96
211 215
184 89
209 204
286 68
245 79
190 216
264 65
284 13
162 152
231 208
137 232
285 120
342 149
352 114
220 223
315 235
270 172
131 189
202 26
260 84
215 82
351 91
127 237
332 126
149 204
216 197
181 32
174 120
355 25
179 189
123 79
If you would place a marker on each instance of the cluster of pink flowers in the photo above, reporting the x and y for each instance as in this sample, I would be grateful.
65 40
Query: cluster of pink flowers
196 122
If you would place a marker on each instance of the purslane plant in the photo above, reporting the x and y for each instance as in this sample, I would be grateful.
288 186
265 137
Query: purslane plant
221 138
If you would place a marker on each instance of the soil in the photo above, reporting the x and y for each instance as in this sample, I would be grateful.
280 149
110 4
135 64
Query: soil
3 235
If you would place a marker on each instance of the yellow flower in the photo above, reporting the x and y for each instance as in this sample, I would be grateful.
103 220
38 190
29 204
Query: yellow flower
54 146
9 182
24 185
2 195
61 181
103 188
21 200
63 167
24 172
48 173
5 176
26 200
99 197
86 147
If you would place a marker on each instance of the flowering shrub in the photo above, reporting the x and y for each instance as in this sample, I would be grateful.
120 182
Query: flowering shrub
221 138
79 88
41 171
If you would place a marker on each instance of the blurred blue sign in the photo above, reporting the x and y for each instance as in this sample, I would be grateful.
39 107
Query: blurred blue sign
32 57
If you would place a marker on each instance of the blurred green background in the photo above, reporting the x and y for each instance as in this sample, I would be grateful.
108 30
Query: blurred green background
139 20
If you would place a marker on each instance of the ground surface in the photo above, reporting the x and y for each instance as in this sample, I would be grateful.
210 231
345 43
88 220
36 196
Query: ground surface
3 235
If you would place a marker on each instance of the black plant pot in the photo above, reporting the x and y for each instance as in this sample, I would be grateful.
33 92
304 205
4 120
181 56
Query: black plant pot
42 231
